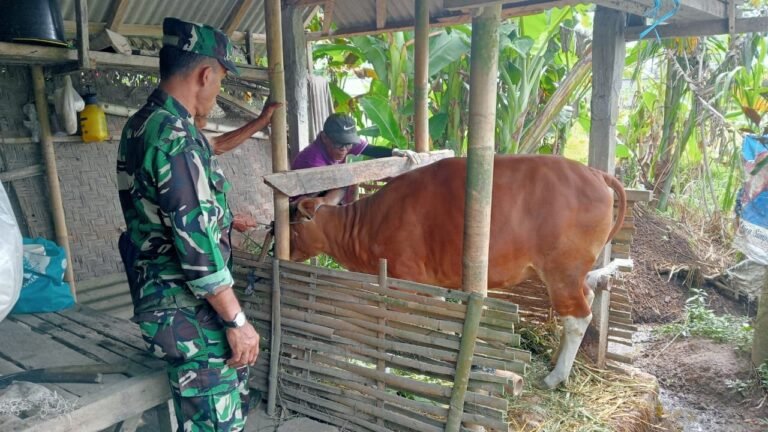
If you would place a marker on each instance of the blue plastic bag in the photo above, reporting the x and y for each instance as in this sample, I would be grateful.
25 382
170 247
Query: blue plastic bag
752 234
43 289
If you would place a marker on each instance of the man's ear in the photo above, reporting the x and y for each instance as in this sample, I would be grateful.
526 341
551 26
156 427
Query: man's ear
308 206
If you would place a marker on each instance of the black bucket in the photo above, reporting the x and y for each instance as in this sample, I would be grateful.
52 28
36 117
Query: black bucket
32 21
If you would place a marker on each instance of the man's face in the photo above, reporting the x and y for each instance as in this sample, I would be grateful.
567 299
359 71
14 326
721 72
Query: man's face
210 86
337 151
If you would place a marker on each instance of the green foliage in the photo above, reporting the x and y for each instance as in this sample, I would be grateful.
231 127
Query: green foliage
701 321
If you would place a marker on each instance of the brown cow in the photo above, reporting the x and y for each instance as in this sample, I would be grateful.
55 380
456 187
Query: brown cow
551 217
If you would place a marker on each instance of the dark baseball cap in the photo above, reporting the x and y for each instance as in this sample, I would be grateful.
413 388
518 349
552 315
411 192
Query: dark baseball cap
200 39
341 129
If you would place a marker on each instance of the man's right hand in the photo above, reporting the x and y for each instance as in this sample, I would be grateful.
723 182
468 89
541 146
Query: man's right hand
244 342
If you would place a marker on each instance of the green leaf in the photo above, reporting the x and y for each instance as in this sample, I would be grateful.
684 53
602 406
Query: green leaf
378 88
445 49
341 98
545 149
623 152
377 109
522 45
370 131
437 124
375 52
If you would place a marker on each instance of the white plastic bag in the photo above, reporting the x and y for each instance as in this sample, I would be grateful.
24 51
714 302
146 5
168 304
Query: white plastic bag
11 256
68 103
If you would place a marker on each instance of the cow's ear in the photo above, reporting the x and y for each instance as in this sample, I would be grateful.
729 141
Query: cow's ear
309 206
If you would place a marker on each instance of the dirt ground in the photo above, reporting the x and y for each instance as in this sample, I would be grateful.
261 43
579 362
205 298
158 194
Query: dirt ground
703 383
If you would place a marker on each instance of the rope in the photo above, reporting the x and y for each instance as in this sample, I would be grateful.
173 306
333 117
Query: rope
654 15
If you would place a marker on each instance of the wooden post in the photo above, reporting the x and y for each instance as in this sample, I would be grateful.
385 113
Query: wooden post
479 188
296 79
420 87
608 49
601 317
760 339
482 117
274 351
466 354
83 38
381 365
250 49
274 29
52 173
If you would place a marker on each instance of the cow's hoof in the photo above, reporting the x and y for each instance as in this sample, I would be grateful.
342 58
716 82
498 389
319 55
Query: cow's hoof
548 383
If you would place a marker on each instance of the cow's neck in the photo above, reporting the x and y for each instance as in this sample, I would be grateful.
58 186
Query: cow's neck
342 230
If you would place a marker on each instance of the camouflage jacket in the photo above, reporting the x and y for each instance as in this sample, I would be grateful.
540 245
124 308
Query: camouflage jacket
173 195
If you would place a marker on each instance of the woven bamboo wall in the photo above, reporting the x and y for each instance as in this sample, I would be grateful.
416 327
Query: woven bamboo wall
87 173
352 349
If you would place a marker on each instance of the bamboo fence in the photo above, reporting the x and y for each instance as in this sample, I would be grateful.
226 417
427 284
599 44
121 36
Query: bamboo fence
370 353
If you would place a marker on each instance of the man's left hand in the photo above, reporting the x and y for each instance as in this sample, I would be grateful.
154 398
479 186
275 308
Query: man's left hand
412 156
243 222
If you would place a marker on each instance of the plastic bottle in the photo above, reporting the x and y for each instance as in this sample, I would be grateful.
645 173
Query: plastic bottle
93 121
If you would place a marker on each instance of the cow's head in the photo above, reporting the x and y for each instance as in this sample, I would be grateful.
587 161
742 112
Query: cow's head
307 237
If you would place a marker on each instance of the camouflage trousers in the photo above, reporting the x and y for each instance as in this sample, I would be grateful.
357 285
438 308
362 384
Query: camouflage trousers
208 395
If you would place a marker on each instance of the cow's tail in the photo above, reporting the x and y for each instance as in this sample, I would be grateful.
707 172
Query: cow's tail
616 185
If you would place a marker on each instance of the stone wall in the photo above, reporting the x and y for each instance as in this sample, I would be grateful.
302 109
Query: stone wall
87 172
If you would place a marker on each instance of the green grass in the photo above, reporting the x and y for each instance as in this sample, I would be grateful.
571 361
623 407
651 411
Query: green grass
577 146
701 321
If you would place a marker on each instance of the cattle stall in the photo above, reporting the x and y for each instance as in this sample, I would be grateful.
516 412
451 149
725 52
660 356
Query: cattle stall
380 353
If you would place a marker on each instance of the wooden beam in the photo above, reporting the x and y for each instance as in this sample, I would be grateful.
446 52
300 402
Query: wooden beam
22 173
250 49
328 15
732 17
296 80
83 37
312 180
236 16
465 4
104 408
52 174
608 49
381 14
304 2
13 53
702 28
421 76
274 30
448 19
150 31
117 14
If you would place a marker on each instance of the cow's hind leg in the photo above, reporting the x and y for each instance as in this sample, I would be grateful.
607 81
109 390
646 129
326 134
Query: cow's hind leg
569 299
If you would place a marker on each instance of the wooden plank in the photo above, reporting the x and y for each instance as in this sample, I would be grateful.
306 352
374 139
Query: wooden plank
381 14
90 344
122 330
236 16
100 282
603 299
328 15
311 180
465 4
622 325
83 38
117 14
619 358
638 195
702 28
102 409
22 173
297 69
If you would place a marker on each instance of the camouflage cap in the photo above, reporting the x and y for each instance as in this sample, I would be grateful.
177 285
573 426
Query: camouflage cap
200 39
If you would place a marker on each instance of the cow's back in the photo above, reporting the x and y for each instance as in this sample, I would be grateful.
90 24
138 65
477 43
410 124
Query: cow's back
539 202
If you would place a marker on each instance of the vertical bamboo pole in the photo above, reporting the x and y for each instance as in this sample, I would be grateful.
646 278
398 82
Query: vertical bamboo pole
83 38
421 90
464 364
381 365
477 210
273 21
52 173
274 351
482 118
603 306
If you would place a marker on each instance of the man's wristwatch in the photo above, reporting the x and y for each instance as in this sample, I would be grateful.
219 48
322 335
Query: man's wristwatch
237 322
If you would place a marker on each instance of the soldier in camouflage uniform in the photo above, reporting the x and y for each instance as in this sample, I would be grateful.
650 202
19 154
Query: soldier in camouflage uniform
176 248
